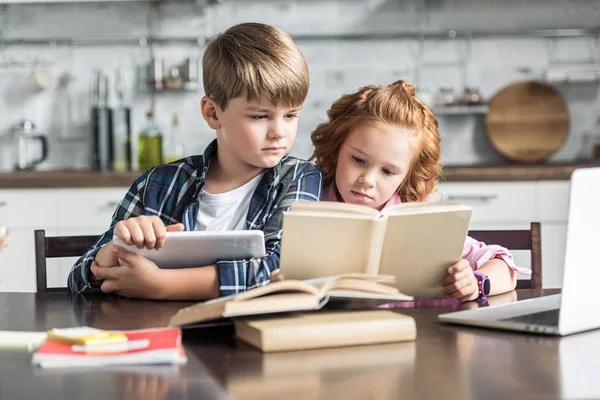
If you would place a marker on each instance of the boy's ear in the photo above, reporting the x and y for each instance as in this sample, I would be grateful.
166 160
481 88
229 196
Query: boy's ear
210 112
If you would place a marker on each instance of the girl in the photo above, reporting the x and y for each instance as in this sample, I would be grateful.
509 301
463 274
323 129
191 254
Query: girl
381 147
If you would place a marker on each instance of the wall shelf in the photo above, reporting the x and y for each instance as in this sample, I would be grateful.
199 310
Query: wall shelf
460 110
82 1
302 37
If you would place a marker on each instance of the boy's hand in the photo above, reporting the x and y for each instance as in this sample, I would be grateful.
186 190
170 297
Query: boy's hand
106 257
460 282
139 277
277 276
145 231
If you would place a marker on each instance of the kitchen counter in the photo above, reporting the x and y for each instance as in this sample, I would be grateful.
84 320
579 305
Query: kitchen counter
513 172
467 173
65 179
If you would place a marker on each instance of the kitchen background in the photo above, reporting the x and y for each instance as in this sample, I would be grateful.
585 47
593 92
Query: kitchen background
45 76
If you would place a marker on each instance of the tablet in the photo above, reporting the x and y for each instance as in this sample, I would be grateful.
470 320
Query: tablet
199 248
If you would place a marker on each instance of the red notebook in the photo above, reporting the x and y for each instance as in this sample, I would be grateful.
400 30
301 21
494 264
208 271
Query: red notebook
146 346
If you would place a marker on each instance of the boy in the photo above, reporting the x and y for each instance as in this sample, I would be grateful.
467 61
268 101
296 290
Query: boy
255 81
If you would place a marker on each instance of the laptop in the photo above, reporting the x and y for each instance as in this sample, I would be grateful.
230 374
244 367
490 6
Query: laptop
576 308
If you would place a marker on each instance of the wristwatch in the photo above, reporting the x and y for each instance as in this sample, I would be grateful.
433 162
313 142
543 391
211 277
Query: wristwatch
483 284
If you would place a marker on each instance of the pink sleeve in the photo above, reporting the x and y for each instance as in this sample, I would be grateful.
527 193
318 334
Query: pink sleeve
478 253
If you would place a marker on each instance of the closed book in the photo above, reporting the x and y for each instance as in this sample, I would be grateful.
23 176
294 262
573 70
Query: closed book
325 329
415 242
146 346
290 295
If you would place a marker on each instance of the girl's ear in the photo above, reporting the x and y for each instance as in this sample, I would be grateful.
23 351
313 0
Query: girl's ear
210 112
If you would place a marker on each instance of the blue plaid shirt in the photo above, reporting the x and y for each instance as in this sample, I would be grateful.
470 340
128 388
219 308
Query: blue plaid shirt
173 192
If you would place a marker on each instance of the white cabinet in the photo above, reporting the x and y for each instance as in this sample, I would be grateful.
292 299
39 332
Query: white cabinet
87 208
17 263
495 201
57 211
23 211
514 205
496 205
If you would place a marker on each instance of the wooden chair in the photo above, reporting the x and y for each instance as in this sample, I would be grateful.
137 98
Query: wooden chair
57 247
530 239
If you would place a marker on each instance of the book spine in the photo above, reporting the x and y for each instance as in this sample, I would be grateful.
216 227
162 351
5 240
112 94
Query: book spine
376 245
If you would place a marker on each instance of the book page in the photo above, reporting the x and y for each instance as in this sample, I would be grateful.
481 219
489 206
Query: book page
419 248
318 246
271 288
425 208
353 284
332 207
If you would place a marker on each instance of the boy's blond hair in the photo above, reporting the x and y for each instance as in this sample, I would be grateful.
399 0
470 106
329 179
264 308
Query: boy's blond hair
256 61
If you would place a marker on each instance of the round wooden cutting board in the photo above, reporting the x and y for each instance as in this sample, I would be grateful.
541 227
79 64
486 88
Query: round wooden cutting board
527 121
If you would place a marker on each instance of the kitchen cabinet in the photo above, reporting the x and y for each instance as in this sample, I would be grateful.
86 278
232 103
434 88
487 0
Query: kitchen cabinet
514 205
23 211
88 211
59 212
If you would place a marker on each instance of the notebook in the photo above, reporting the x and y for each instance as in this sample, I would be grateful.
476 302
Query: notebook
415 242
325 329
146 346
290 295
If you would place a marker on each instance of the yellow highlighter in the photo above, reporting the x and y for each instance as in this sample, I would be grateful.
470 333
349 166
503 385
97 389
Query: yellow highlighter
86 336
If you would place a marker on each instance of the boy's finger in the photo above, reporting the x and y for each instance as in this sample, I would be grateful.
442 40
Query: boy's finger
109 286
103 272
122 232
137 235
126 256
147 227
160 232
175 227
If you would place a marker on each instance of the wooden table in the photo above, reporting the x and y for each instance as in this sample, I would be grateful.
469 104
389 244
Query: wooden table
445 362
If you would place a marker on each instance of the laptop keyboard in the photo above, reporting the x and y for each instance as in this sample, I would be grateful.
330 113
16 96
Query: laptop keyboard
545 318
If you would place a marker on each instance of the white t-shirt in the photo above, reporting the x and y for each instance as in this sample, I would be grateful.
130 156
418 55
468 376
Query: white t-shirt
226 211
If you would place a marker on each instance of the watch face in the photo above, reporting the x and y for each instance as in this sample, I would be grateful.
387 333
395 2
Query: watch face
486 287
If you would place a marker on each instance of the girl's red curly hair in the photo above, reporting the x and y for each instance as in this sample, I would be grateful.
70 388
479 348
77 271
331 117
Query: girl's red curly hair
395 104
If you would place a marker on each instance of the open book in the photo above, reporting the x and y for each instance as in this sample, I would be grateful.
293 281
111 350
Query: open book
415 242
289 296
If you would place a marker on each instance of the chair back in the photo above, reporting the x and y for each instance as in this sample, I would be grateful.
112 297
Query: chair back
526 239
57 247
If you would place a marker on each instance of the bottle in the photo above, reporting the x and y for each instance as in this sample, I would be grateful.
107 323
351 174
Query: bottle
174 149
596 153
121 121
101 120
150 144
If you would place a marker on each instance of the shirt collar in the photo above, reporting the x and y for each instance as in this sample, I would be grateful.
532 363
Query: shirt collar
272 175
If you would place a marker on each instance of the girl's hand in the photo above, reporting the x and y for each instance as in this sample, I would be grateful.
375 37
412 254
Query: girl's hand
460 282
